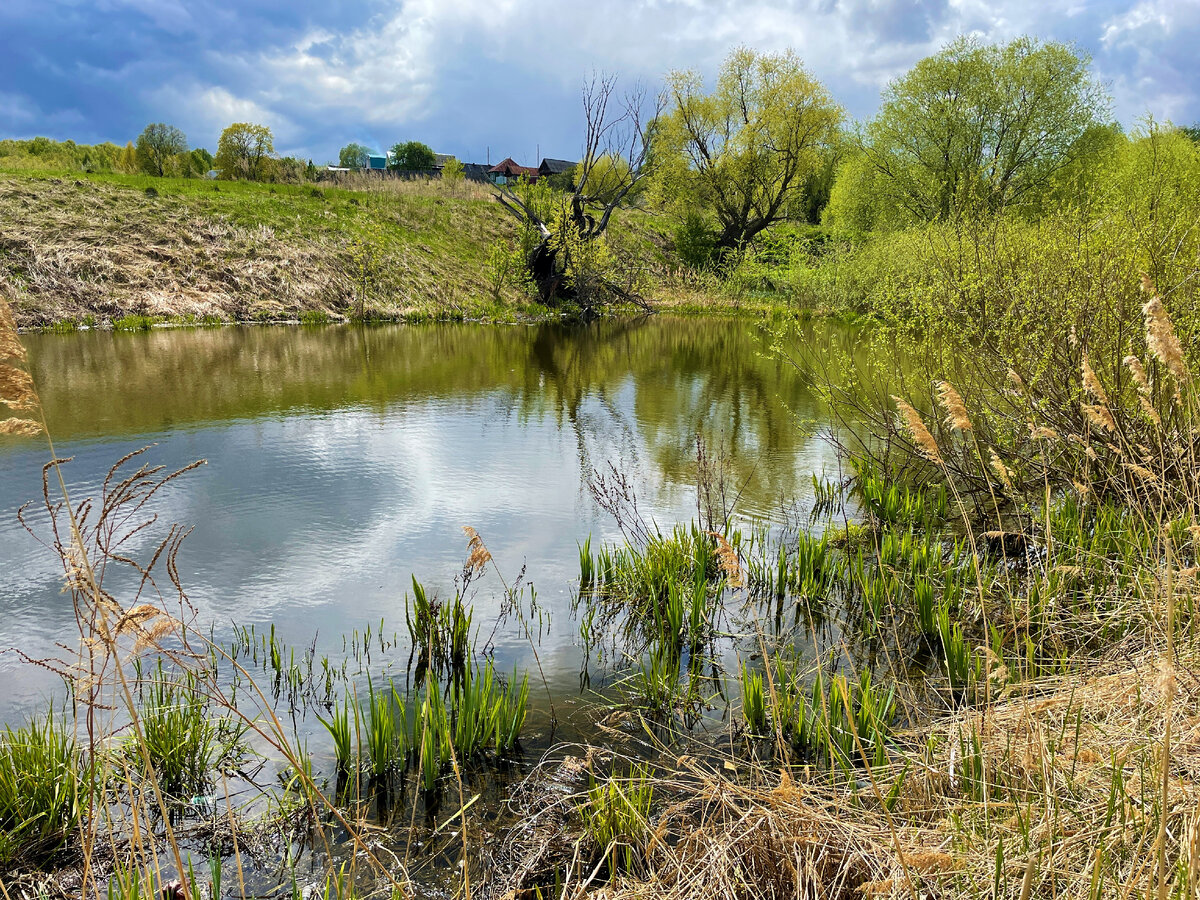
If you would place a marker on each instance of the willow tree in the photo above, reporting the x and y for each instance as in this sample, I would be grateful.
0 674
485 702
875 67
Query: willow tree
568 228
984 126
245 151
744 151
157 143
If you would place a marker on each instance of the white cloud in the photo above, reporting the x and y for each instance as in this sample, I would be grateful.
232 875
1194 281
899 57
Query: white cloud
1149 57
203 111
506 73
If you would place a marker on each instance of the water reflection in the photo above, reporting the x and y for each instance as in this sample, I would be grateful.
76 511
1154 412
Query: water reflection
340 460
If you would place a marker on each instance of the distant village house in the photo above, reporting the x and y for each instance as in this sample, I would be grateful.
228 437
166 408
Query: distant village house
507 171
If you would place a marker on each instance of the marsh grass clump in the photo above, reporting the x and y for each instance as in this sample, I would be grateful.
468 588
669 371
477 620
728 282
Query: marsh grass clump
616 817
667 591
341 729
386 733
440 632
185 743
835 719
897 502
754 703
45 789
386 737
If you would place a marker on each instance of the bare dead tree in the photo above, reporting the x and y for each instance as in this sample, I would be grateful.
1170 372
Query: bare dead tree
616 158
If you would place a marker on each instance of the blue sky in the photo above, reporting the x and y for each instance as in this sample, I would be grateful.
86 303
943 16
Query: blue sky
468 75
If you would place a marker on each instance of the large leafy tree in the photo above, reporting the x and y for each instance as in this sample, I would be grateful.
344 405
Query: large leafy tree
745 151
354 156
245 151
983 125
413 156
157 143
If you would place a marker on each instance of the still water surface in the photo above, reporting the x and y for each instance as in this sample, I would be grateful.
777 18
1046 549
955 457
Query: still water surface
342 461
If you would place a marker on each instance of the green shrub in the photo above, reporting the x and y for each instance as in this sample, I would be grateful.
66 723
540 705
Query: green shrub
695 241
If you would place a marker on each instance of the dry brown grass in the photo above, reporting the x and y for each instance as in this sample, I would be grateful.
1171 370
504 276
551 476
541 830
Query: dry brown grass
73 249
1072 786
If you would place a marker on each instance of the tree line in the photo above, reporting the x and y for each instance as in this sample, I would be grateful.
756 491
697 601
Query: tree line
976 129
245 150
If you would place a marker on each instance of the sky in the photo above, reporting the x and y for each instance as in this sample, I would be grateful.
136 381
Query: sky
502 78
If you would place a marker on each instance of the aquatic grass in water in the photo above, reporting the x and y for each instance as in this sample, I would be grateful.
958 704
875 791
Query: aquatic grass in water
440 632
432 736
44 789
339 727
669 590
587 565
385 734
184 743
828 719
654 684
510 710
754 704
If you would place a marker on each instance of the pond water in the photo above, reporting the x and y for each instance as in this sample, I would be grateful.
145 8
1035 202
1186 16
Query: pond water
343 461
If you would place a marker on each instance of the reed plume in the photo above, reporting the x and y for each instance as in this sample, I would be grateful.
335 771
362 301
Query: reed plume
20 427
1091 383
479 556
16 388
10 347
1138 371
1100 416
956 410
727 556
1141 472
1042 433
1160 334
1001 469
920 434
1142 381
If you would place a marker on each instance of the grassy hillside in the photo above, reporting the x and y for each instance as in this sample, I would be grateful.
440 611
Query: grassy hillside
78 248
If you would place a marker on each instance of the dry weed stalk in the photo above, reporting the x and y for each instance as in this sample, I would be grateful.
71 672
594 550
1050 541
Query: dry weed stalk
478 556
729 560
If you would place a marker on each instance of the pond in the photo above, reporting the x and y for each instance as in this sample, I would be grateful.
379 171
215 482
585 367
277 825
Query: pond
343 462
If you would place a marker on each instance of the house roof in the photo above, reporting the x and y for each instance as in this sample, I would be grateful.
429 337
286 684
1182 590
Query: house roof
507 167
555 166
